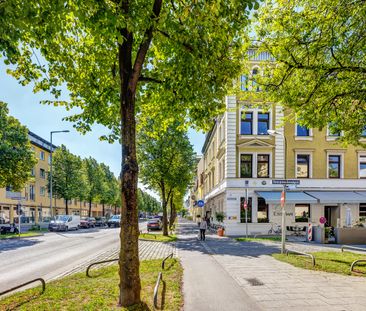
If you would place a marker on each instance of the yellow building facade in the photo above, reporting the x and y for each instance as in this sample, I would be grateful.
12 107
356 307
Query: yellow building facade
240 160
35 199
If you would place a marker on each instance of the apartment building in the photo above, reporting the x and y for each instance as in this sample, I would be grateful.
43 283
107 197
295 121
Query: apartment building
240 159
35 198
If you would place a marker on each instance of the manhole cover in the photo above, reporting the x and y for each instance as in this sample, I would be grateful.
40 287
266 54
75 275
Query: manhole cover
255 282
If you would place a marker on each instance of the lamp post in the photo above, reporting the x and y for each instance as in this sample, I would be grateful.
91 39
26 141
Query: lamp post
51 151
283 195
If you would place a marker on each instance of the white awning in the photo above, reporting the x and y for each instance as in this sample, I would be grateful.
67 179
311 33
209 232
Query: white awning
337 197
362 193
291 197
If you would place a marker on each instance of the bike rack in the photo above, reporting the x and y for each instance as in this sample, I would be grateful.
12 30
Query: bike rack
163 263
344 247
24 284
156 289
302 254
97 263
353 264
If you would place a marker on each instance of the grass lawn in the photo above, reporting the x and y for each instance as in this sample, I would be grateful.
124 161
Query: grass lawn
269 238
78 292
158 237
15 235
336 262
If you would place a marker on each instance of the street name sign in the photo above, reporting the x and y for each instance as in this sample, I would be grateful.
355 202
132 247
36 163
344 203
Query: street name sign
285 182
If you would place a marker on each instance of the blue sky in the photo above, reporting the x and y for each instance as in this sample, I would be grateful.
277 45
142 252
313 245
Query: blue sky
24 105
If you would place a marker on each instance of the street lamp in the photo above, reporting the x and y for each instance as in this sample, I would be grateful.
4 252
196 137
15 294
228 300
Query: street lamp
51 150
283 195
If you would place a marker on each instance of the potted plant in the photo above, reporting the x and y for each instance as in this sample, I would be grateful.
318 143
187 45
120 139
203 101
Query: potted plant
220 218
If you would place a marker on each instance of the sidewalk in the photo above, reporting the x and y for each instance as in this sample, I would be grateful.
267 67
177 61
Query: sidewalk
267 283
206 285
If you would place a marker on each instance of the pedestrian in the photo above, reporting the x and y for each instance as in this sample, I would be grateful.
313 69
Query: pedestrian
203 227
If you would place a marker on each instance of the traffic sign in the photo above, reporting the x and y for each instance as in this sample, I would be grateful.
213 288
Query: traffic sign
200 203
322 220
285 182
283 197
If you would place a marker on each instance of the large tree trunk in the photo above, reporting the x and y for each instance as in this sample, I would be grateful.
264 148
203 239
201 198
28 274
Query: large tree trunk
130 284
173 213
164 205
90 207
103 210
67 206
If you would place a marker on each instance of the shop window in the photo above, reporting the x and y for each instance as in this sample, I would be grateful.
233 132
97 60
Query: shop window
263 165
362 211
302 131
246 166
302 212
303 166
262 214
263 123
334 166
246 126
242 210
362 168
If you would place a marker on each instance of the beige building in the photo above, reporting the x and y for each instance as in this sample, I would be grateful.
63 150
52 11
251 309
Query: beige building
35 198
240 157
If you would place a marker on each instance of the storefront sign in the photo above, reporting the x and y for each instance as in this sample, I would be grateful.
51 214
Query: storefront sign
285 182
231 199
280 214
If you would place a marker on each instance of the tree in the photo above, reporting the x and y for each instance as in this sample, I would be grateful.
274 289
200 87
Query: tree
109 186
94 175
16 156
320 64
67 175
147 203
109 53
167 162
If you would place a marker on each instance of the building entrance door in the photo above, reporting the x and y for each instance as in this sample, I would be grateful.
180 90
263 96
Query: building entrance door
331 213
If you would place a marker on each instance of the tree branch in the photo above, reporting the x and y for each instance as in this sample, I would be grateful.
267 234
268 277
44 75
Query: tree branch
187 46
144 46
148 79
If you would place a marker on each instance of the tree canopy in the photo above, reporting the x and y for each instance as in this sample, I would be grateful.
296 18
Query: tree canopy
177 58
320 61
16 156
67 175
167 161
94 175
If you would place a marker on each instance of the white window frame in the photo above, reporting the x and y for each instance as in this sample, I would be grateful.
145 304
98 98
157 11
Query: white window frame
255 164
360 154
310 154
336 153
255 112
310 137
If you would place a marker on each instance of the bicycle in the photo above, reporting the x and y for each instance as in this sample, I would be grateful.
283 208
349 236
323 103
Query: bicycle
276 231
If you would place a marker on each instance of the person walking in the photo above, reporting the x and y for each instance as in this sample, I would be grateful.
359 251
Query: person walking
203 227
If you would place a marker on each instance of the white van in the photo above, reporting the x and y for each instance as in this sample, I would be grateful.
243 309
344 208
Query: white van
64 223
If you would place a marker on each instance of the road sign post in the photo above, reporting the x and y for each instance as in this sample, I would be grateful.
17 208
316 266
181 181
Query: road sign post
284 183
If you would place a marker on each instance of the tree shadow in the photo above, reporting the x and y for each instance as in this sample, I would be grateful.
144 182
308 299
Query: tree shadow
15 243
22 300
163 295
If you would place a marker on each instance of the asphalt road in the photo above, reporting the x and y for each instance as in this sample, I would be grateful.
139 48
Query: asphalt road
53 254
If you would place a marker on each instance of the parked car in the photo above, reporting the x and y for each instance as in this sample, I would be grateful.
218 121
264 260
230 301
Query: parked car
100 221
154 224
87 222
64 223
114 221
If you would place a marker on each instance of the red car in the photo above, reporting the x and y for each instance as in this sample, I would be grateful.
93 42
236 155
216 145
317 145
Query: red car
87 222
154 224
